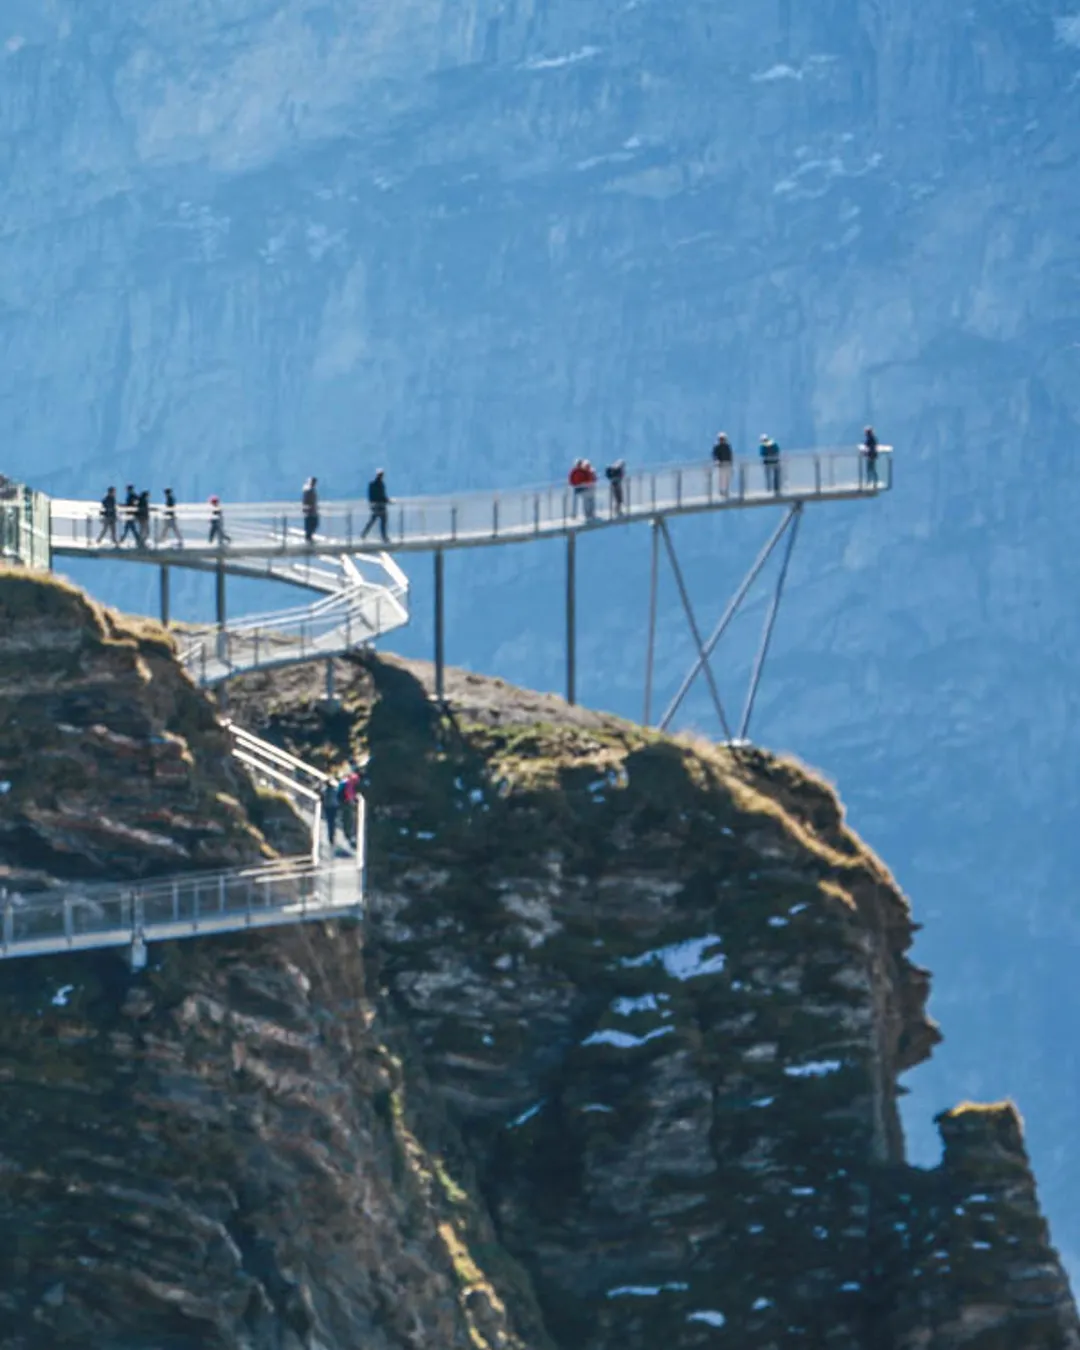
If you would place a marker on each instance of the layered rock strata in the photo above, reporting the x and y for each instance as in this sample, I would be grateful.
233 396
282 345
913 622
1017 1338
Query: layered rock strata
611 1062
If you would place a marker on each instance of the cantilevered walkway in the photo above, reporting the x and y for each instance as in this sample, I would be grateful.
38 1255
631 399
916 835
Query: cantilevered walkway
321 883
363 592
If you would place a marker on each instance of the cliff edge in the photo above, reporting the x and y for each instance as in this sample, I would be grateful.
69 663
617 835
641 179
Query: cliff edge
611 1061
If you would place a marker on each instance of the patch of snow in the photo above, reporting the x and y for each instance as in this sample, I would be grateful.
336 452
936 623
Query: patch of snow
981 1246
777 922
798 909
646 1290
817 1068
711 1319
764 1053
476 796
488 1039
622 1040
755 1228
598 1106
682 960
777 72
557 62
62 995
760 1304
626 1007
763 1102
527 1115
803 1190
850 1287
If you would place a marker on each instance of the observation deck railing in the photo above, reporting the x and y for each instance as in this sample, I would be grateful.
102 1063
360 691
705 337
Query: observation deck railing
478 518
25 529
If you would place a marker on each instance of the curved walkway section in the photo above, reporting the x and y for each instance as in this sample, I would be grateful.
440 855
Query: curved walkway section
275 529
320 884
355 611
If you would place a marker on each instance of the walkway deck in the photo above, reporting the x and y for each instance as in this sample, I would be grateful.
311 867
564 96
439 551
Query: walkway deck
324 883
273 530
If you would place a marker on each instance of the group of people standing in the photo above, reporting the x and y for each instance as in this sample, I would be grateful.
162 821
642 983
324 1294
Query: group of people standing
583 483
378 504
338 795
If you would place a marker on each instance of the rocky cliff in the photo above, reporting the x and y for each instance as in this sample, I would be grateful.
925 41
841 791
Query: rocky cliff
611 1061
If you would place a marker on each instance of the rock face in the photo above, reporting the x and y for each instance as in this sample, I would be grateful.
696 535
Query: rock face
611 1062
114 765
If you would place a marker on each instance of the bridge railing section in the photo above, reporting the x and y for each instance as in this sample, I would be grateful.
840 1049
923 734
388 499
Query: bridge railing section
359 612
78 918
480 517
25 528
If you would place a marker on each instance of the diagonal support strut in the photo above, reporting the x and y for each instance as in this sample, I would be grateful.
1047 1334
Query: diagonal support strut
694 629
770 622
729 614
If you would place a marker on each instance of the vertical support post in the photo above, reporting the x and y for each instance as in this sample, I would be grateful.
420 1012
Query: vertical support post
770 622
164 589
571 618
220 596
650 650
440 632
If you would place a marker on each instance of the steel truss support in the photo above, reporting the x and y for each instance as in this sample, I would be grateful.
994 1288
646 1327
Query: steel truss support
164 591
789 526
571 617
440 630
650 650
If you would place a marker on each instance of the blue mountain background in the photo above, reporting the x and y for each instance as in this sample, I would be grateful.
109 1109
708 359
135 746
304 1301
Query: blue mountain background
469 240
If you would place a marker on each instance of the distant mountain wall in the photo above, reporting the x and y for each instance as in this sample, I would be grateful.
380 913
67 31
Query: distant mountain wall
248 241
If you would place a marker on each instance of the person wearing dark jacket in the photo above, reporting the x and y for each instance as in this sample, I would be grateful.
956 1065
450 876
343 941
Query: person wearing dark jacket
379 502
108 516
723 458
309 504
770 457
869 451
131 524
616 476
169 525
330 808
142 517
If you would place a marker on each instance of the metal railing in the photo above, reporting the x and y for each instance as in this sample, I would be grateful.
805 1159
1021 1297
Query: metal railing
470 519
357 613
25 528
320 884
79 918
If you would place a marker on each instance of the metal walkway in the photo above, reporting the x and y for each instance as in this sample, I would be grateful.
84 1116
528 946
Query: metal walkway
274 530
322 883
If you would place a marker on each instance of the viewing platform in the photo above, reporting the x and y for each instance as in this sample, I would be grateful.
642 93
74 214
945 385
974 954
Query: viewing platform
275 530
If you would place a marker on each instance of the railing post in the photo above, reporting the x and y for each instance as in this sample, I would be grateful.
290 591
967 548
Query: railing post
9 924
495 518
348 526
453 521
536 512
817 474
176 901
195 908
68 926
221 893
678 489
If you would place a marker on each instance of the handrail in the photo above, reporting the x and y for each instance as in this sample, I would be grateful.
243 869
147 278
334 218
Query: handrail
242 512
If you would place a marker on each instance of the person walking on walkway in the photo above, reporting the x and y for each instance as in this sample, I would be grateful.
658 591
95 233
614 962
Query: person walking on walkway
330 809
379 502
169 525
108 517
131 524
142 517
723 458
309 503
770 457
616 476
217 524
869 451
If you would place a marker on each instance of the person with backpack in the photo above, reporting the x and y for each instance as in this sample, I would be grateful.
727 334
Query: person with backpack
770 457
108 517
330 808
379 503
169 525
616 476
142 517
131 524
309 504
869 452
723 458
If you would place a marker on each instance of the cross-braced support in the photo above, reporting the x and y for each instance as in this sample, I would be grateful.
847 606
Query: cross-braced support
788 526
